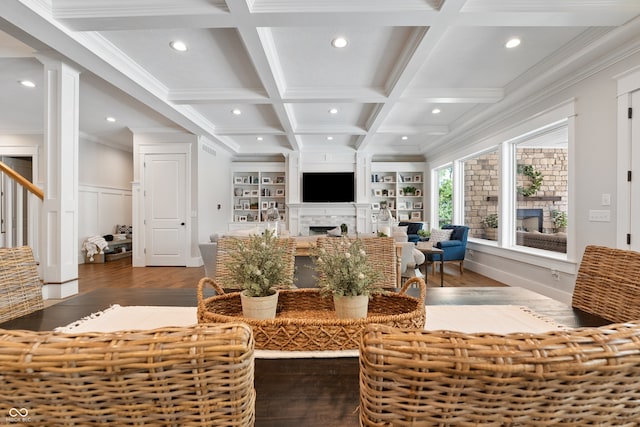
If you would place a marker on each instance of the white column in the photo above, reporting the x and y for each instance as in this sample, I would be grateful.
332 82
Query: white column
59 215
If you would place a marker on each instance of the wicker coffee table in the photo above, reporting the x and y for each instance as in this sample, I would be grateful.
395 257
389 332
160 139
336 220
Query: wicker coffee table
306 321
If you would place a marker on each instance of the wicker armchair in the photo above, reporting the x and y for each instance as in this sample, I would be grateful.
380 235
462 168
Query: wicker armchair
20 285
225 249
442 378
381 253
608 283
193 376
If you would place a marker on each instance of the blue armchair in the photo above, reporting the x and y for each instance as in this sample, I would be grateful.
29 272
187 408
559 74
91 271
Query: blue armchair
455 248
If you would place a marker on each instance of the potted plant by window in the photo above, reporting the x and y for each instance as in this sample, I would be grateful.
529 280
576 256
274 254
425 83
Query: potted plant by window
344 273
490 224
424 234
258 266
559 219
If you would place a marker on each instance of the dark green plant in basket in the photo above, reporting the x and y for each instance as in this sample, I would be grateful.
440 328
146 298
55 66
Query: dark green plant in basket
259 264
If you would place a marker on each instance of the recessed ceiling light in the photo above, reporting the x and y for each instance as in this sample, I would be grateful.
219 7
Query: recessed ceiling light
259 138
236 111
333 111
178 45
405 137
27 83
110 119
329 138
339 42
512 43
435 111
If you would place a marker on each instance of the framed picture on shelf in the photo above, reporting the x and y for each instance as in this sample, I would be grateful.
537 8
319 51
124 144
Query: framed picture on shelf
392 193
237 180
388 178
246 206
375 206
279 179
244 203
402 205
407 179
409 205
254 193
280 192
377 192
418 193
273 204
403 217
391 204
246 193
416 215
242 218
417 205
264 205
400 192
237 207
417 178
266 180
246 179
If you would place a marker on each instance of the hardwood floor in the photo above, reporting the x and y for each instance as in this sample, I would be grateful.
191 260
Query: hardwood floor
120 274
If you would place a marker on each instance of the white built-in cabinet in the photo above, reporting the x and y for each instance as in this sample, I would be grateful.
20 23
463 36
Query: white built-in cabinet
255 191
402 191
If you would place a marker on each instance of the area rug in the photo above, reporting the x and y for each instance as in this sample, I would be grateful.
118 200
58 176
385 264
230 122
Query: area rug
464 318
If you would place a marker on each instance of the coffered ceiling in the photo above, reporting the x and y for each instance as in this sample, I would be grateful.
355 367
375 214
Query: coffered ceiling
273 61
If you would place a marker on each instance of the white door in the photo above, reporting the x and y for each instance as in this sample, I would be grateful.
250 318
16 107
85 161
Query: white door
165 211
634 188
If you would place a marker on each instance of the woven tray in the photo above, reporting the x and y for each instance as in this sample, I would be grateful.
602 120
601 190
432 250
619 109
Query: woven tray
306 321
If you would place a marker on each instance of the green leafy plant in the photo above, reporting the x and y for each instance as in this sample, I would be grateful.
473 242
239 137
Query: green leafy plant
409 190
424 233
343 270
536 180
559 218
490 221
259 264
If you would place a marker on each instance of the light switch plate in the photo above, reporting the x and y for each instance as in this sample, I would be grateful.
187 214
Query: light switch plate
603 215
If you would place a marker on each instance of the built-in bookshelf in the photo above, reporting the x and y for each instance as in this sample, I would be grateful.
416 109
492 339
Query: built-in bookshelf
402 192
256 191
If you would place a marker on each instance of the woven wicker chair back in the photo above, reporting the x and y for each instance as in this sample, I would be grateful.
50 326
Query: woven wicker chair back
226 246
587 376
608 283
381 254
20 285
198 376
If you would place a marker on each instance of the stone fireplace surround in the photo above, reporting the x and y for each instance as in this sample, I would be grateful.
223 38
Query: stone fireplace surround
304 215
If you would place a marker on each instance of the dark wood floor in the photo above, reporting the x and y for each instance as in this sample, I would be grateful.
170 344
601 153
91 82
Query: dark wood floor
120 274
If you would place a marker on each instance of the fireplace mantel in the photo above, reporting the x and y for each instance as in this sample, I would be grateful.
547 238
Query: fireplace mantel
302 215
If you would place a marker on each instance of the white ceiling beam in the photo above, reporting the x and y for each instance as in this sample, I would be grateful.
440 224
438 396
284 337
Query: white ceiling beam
454 95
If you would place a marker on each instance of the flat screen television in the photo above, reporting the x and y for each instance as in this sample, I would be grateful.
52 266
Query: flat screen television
328 187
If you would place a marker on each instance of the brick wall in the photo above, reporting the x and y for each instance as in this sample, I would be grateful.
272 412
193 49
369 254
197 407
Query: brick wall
481 185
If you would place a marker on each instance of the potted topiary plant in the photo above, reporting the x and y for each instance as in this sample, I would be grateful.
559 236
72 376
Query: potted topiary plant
344 273
258 266
490 224
559 219
424 234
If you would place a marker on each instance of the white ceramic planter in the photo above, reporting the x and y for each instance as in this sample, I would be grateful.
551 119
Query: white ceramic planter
351 307
259 307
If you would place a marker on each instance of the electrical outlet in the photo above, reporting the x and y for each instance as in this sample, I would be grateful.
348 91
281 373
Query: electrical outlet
606 199
555 274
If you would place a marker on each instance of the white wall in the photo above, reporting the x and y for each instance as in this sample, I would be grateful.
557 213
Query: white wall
214 188
595 172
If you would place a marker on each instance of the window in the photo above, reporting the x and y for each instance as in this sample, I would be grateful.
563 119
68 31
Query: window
445 196
481 186
541 189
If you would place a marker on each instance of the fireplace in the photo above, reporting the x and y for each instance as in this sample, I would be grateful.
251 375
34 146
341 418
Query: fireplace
529 220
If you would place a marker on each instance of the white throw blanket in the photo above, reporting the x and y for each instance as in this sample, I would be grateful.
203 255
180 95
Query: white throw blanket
94 245
465 318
